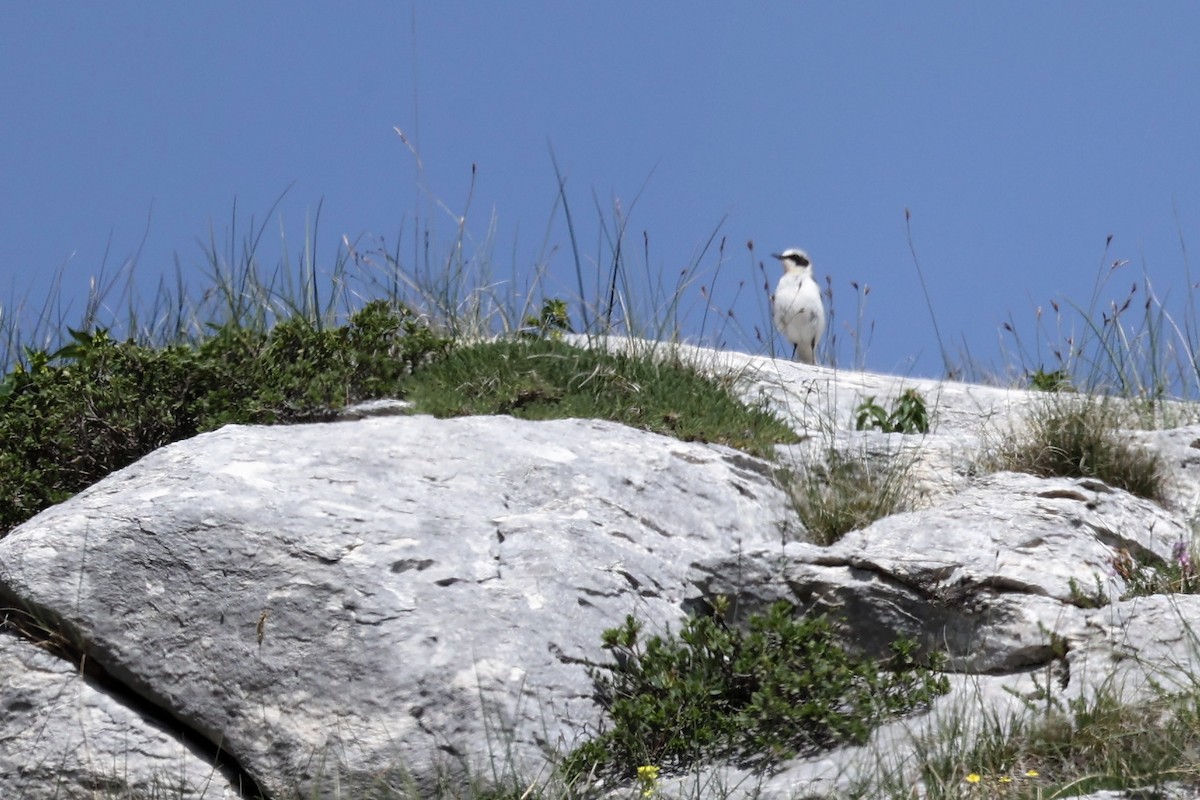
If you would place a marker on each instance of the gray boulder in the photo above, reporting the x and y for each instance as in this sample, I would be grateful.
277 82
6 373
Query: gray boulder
362 604
989 576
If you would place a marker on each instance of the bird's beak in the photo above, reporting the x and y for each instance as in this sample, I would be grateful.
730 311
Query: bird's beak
777 256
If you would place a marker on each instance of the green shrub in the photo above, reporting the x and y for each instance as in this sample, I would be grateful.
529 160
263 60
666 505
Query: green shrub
1054 381
908 415
71 417
783 687
551 323
546 379
62 427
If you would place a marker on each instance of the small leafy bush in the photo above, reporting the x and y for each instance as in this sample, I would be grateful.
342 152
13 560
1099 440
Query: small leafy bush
1073 436
62 427
1054 381
785 686
551 323
1093 597
71 417
546 379
908 415
846 492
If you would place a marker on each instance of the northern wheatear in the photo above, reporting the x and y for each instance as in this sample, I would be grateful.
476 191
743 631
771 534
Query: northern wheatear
798 311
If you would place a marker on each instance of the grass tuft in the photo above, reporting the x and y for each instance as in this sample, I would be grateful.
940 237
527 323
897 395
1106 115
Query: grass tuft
545 379
1079 436
846 492
1085 745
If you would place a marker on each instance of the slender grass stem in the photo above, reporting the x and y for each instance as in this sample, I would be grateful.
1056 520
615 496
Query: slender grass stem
946 363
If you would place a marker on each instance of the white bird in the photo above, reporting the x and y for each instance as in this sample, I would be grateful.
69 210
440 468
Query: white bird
798 311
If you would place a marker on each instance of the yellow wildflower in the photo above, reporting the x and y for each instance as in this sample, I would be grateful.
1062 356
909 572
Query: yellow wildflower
974 778
648 777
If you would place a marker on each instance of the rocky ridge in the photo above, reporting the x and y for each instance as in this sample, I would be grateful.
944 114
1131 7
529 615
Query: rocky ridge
334 609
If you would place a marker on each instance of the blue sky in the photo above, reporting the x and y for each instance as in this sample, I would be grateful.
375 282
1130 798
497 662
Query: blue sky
1019 135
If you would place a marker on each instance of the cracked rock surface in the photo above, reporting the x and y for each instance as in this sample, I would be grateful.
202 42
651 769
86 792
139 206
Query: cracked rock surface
983 576
349 603
60 733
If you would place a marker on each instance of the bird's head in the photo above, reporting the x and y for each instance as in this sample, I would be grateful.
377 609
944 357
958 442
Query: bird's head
793 259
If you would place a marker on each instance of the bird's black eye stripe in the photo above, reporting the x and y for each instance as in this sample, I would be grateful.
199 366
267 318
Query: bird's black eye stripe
796 258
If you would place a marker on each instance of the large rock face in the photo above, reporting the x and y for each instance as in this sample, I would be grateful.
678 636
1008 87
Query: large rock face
334 610
349 604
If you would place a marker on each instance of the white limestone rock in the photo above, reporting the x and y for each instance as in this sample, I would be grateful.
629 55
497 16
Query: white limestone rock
60 734
361 602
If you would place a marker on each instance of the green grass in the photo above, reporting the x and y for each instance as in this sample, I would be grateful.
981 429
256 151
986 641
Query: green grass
544 379
1069 748
844 492
1145 576
72 417
909 414
1082 436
